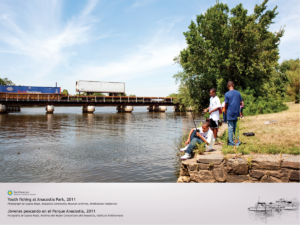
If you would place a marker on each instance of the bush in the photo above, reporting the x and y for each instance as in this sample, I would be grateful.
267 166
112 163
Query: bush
261 105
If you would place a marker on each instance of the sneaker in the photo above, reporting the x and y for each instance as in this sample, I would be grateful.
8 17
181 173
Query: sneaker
186 156
183 149
214 140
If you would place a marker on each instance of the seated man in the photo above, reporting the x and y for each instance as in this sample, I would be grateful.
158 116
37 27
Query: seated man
205 135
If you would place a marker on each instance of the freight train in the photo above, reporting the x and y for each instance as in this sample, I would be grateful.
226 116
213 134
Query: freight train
90 87
30 90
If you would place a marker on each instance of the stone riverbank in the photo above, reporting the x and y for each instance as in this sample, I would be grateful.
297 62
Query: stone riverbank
214 167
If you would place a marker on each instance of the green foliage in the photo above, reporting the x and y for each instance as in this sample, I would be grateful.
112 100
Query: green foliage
199 149
65 91
249 162
132 95
6 82
291 69
223 47
261 105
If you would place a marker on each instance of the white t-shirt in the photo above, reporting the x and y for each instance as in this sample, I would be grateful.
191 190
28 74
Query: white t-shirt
214 103
208 135
223 104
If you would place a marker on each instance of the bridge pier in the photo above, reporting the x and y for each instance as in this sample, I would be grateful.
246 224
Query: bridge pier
50 109
13 109
157 108
3 109
176 108
88 109
124 108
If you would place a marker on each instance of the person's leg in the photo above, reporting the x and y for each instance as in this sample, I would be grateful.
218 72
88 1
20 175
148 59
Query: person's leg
192 145
235 135
230 132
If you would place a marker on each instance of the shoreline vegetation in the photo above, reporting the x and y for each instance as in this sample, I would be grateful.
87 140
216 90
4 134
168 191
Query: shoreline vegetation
281 136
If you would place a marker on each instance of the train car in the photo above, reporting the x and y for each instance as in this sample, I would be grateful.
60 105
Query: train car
91 87
30 89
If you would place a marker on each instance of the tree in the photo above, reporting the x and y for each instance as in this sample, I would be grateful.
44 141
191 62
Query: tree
65 91
6 82
291 68
220 48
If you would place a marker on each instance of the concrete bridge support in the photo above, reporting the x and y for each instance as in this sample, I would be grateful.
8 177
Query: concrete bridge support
88 109
3 109
126 109
13 109
50 108
176 108
157 108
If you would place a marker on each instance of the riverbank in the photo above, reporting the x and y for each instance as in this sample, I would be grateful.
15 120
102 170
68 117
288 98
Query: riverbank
275 134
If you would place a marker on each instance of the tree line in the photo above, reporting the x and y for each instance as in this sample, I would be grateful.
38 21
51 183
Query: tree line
224 45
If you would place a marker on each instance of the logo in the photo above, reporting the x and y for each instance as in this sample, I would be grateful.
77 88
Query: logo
9 192
9 88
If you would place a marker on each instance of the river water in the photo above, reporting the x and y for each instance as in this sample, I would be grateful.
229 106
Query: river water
69 146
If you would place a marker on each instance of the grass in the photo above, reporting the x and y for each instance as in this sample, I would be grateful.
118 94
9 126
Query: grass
281 137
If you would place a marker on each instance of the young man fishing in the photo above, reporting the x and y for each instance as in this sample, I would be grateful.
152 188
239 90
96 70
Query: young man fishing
205 135
213 109
233 100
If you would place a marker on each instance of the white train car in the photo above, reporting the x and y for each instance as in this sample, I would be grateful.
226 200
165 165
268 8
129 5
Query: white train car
90 87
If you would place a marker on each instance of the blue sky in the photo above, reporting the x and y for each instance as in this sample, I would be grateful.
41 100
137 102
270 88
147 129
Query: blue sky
131 41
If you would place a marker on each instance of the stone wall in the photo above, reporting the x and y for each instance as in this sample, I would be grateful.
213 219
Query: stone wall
216 168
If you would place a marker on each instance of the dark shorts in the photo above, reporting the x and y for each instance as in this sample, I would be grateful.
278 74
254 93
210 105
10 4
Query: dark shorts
213 124
242 109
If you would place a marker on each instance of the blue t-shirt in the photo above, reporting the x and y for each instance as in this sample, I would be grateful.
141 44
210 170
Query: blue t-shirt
233 99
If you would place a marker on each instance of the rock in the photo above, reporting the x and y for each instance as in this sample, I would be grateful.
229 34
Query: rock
193 167
266 162
189 161
237 178
269 179
215 159
284 180
295 174
251 181
193 175
237 166
184 170
186 179
292 162
204 176
219 174
180 180
256 173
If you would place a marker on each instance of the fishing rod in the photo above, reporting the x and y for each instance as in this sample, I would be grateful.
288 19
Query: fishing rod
197 130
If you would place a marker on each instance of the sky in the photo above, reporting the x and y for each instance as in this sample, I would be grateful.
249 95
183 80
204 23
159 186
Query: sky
131 41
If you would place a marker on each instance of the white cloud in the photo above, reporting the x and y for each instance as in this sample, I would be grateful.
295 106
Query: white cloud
36 30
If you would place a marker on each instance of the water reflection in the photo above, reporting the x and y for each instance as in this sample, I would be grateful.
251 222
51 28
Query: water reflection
71 146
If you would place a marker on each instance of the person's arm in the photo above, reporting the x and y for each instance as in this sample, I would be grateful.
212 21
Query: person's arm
206 110
226 104
214 110
202 138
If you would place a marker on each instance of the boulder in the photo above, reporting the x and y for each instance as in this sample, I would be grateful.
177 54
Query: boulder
284 180
193 175
184 170
204 176
295 174
270 179
257 174
219 174
186 179
193 166
180 180
215 159
237 178
237 166
188 161
266 162
292 162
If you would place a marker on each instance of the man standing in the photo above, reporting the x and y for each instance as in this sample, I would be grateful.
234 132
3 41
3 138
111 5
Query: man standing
214 114
233 100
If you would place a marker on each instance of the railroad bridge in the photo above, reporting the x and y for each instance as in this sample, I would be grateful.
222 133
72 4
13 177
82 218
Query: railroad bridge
14 102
